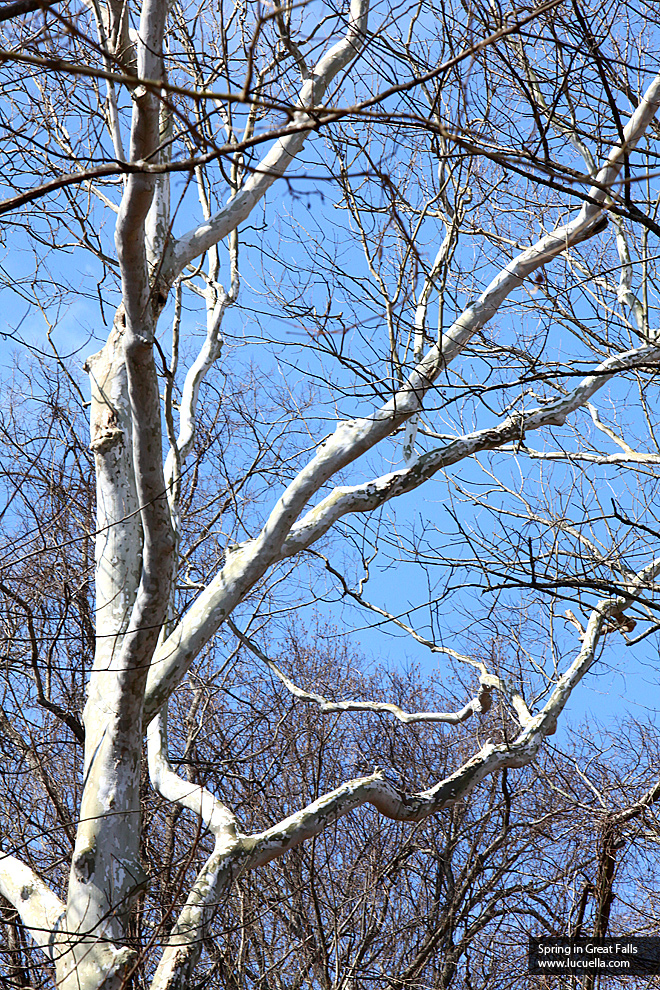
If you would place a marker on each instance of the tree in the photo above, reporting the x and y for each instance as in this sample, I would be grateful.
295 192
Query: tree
444 138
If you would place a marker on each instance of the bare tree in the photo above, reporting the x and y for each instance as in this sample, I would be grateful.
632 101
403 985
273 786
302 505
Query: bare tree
471 156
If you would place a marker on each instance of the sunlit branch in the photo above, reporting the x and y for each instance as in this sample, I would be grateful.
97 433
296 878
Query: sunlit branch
282 536
478 705
209 809
374 493
38 907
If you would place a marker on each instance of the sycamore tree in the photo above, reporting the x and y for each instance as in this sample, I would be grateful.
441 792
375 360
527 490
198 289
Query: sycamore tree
421 239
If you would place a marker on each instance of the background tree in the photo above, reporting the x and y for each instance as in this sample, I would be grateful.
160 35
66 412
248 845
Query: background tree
491 161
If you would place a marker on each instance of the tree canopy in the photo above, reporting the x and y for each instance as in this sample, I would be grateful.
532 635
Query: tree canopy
322 317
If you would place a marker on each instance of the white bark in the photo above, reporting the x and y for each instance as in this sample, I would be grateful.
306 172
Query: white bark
249 852
217 818
106 871
119 532
282 536
135 541
157 225
178 961
480 704
40 910
278 159
98 883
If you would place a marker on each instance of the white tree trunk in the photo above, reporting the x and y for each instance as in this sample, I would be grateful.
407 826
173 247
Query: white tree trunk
134 670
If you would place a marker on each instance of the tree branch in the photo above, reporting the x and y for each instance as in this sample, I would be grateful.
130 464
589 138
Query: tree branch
281 536
210 810
39 908
250 852
24 7
478 705
372 494
278 159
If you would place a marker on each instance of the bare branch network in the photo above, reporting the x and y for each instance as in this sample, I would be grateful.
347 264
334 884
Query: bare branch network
303 299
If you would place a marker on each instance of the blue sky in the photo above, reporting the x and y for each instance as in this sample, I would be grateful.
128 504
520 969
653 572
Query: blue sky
301 257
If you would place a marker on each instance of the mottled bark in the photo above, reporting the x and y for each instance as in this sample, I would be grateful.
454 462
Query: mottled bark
136 668
106 873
